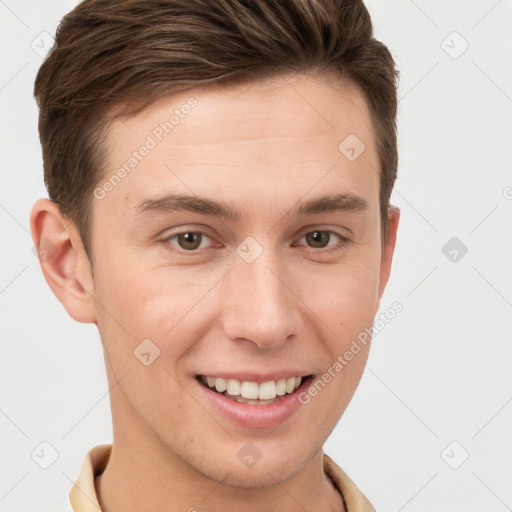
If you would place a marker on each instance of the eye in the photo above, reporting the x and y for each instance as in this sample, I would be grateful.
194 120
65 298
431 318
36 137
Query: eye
188 240
320 239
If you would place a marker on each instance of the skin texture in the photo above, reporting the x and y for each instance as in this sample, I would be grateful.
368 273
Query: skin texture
261 147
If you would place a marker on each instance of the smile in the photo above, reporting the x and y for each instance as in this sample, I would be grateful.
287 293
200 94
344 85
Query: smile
250 392
253 400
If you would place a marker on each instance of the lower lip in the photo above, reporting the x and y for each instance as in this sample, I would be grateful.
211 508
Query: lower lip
255 416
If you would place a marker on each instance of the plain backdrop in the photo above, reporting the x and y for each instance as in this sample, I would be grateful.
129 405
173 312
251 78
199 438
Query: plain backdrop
429 426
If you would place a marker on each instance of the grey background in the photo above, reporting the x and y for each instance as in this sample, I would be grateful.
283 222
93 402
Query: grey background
438 373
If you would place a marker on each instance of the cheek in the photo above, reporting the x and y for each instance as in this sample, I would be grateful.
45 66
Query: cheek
137 317
345 298
348 312
161 305
135 295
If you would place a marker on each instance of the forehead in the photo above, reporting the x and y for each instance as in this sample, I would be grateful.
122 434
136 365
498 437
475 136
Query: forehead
265 108
265 137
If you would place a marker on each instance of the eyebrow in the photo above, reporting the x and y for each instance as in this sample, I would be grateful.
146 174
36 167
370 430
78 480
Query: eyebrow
175 202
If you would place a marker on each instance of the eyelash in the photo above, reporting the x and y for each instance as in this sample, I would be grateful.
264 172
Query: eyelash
344 241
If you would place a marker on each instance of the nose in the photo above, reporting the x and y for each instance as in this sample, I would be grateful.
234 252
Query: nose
259 305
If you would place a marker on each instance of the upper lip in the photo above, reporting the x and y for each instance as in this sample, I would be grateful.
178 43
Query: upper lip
258 377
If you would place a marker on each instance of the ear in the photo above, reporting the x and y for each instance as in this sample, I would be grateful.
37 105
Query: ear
64 262
388 250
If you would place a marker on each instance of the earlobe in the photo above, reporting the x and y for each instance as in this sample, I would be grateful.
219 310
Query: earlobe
63 260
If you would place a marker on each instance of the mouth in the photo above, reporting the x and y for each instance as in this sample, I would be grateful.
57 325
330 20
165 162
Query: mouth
253 400
251 392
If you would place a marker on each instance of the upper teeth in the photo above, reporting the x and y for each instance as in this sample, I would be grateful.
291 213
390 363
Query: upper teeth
252 390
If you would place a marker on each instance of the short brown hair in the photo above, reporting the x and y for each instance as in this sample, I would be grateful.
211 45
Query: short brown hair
112 53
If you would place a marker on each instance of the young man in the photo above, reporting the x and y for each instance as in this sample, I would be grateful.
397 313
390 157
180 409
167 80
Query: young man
219 175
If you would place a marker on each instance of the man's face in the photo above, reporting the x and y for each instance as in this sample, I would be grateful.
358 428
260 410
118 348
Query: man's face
267 295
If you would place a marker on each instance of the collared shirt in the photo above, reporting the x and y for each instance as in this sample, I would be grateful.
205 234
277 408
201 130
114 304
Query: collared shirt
83 497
